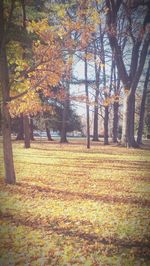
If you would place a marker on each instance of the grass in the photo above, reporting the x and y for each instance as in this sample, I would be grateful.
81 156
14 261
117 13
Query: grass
73 206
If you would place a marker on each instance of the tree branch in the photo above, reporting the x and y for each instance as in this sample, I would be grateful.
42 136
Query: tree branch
30 89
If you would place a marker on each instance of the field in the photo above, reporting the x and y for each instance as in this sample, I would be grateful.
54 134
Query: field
72 206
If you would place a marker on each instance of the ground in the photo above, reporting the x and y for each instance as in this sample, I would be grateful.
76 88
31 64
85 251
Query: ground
73 206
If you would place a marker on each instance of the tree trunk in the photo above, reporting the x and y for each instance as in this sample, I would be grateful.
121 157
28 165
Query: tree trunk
48 132
124 122
6 122
128 139
131 117
142 109
31 129
7 145
106 117
88 125
95 129
63 138
26 131
97 75
115 122
87 103
20 135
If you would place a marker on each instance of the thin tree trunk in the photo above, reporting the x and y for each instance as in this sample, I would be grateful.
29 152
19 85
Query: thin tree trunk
116 104
115 122
63 133
97 75
106 117
6 122
95 129
87 103
20 135
142 109
106 110
26 124
124 122
131 118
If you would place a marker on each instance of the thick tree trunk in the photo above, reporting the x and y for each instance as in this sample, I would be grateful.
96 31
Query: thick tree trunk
6 122
142 109
106 118
26 131
31 129
48 132
115 122
20 135
7 146
128 139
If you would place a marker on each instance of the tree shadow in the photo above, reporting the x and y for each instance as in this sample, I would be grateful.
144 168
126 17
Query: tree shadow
69 196
55 226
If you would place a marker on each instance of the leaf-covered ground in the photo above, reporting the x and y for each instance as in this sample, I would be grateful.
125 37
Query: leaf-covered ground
73 206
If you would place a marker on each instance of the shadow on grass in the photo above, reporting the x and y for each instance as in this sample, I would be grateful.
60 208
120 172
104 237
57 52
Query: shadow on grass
54 226
67 195
91 163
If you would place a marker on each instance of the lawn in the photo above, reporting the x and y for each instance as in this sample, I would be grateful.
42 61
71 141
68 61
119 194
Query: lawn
72 206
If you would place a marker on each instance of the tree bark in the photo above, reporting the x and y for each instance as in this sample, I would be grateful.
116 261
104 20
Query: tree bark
128 139
115 122
7 145
130 120
124 122
106 117
97 75
87 102
26 131
63 133
31 129
10 177
142 109
48 132
20 135
95 129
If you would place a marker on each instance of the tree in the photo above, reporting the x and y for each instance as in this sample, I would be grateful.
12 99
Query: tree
142 109
65 115
30 76
10 177
87 101
97 69
26 125
48 131
17 127
31 128
134 26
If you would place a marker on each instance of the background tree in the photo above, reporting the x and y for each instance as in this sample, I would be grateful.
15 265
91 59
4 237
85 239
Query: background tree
134 27
142 109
